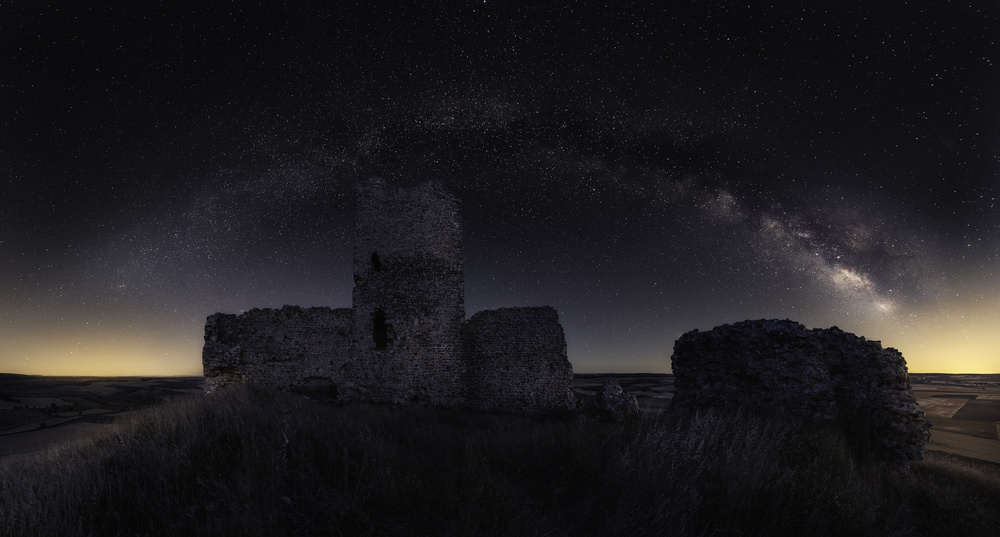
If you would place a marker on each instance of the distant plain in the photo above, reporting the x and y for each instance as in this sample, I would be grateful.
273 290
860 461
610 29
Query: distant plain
39 412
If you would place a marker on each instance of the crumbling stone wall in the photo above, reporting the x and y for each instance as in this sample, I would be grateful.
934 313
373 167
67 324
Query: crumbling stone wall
517 360
817 376
405 339
282 348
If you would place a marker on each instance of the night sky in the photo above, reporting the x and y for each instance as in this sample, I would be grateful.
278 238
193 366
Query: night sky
645 171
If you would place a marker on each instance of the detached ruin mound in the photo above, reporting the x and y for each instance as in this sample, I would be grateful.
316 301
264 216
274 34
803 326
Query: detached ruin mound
824 376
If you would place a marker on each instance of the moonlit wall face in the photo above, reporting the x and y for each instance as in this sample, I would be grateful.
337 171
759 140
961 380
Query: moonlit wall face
645 172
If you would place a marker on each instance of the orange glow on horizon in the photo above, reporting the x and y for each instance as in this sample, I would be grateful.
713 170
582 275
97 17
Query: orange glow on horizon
955 346
74 356
952 338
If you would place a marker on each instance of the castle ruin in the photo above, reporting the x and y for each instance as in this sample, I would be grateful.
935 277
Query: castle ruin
406 338
824 377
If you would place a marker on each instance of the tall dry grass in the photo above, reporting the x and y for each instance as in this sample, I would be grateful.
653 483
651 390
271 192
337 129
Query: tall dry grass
247 461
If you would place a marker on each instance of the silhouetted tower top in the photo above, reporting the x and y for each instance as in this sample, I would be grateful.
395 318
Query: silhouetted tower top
418 222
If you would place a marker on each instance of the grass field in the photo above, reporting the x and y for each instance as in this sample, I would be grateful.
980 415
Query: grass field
252 462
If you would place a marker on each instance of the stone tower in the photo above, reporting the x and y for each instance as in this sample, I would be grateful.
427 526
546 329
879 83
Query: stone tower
409 292
406 338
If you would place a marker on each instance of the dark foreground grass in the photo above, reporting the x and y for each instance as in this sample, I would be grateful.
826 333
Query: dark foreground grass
251 462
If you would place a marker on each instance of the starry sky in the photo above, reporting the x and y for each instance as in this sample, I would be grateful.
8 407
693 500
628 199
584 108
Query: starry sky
644 169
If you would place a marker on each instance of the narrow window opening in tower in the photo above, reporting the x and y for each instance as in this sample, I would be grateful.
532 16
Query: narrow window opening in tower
380 331
376 262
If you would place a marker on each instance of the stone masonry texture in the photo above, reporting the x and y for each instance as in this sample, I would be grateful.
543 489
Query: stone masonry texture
824 376
406 338
283 348
519 357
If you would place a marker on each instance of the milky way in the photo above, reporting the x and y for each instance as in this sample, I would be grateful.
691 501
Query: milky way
644 171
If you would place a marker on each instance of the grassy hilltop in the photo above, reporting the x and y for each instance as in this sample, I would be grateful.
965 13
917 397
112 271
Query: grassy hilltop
246 461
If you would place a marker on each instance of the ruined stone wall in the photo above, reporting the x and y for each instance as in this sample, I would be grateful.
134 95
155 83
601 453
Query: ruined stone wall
405 339
282 348
517 361
817 376
409 292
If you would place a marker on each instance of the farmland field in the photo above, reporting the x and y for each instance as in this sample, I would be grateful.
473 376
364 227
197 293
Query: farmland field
965 411
38 412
